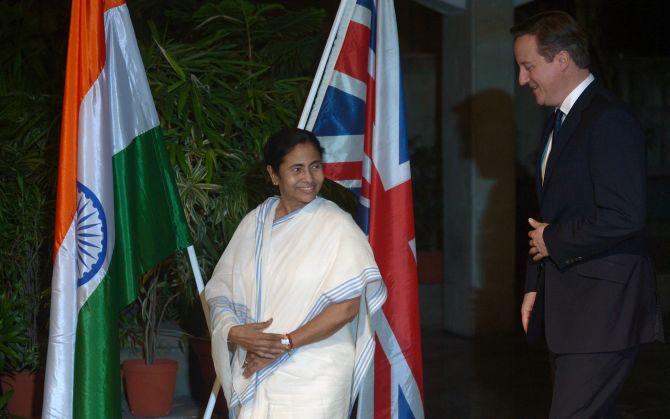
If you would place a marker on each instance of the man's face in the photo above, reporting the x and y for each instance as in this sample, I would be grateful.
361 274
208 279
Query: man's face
544 78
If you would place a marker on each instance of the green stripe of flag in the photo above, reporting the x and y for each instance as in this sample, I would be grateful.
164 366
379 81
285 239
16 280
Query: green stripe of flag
150 223
150 226
97 380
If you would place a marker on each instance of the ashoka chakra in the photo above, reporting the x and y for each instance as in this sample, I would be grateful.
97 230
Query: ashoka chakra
91 234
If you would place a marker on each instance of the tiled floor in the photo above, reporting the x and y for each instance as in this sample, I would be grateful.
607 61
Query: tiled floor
503 378
182 408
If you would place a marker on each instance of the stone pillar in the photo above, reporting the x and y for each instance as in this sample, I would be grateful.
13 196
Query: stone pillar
478 143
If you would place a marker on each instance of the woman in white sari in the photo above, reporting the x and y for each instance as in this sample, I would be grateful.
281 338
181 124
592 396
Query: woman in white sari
292 297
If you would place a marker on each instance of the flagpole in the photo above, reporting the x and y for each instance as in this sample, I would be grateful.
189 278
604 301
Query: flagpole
211 402
322 66
200 285
195 266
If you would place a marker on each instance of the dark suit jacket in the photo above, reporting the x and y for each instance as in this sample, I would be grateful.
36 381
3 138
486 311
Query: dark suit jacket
596 291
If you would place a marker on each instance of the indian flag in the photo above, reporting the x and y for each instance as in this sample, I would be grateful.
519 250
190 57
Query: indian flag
118 210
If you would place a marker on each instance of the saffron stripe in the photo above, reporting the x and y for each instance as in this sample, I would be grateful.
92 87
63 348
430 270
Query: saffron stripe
85 60
110 4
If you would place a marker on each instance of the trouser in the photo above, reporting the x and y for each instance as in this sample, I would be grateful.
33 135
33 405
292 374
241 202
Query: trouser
587 386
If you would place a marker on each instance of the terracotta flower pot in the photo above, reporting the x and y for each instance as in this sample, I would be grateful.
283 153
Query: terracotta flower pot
28 393
150 388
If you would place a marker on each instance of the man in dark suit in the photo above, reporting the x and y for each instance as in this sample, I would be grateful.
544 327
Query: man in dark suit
590 290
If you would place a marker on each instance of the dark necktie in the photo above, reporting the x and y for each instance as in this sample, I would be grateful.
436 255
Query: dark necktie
558 118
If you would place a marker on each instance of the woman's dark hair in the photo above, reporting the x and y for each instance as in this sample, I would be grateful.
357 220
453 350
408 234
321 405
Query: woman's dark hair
282 142
555 32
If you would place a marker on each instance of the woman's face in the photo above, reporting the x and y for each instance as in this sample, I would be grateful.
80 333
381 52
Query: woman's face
300 176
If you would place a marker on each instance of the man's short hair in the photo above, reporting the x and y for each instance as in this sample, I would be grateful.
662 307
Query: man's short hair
556 31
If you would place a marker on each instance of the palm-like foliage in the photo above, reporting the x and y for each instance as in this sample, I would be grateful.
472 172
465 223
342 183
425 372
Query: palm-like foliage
241 73
26 182
12 327
30 69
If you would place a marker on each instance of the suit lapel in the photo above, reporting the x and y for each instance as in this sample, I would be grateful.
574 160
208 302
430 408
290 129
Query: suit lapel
565 134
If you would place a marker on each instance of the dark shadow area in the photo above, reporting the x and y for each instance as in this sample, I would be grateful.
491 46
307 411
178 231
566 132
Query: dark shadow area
485 123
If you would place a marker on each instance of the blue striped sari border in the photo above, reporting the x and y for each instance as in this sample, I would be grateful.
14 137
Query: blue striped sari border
260 225
362 366
345 291
221 304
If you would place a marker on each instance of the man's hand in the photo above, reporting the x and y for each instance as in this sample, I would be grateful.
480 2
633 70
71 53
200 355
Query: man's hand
251 337
527 308
538 250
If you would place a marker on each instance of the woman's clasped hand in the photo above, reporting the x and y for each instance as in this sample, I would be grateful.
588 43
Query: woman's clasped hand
253 363
252 338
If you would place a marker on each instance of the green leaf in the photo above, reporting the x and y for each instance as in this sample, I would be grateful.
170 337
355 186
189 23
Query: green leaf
173 63
175 86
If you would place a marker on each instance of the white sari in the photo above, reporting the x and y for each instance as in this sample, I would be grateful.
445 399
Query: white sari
289 270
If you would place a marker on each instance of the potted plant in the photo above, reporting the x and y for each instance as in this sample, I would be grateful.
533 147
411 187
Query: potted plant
22 266
22 373
150 381
426 170
12 340
25 235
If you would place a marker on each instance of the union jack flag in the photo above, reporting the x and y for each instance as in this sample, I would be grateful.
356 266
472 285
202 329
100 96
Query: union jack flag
356 109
